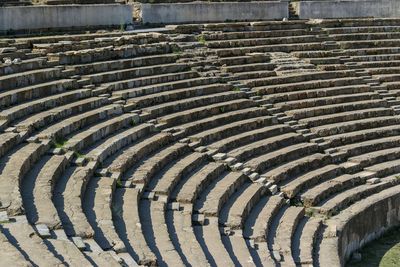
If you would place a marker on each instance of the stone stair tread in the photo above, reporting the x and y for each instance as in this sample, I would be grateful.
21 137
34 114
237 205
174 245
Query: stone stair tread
128 225
213 241
186 237
198 181
221 192
69 252
31 244
10 255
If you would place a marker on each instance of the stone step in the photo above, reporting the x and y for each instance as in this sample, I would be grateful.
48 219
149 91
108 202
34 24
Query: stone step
369 51
341 201
249 67
280 156
42 209
35 251
128 225
303 81
305 89
202 112
192 103
299 114
162 240
235 142
28 93
106 66
385 168
108 53
183 167
99 131
9 253
124 74
369 146
139 150
375 157
322 191
70 189
70 253
157 83
117 142
242 252
211 235
267 145
29 108
308 240
99 256
362 26
151 166
378 59
243 205
222 119
226 52
18 80
260 41
342 132
227 130
89 41
188 243
310 179
97 206
311 102
48 117
387 78
244 59
197 182
284 234
175 95
9 140
250 75
346 116
363 44
24 66
15 168
340 222
60 130
297 167
220 193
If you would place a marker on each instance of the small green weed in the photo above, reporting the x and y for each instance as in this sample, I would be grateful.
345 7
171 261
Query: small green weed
201 39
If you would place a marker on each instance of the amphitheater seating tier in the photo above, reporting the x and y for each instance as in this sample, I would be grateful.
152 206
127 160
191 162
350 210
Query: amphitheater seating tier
234 144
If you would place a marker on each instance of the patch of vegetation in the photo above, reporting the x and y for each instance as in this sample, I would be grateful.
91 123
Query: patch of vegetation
201 39
383 252
133 122
60 143
176 49
78 154
296 202
311 212
222 109
122 25
119 184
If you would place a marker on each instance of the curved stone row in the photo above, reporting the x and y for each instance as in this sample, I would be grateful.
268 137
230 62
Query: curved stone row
240 144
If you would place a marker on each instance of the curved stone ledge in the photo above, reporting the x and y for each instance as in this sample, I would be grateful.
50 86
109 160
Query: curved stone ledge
360 224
